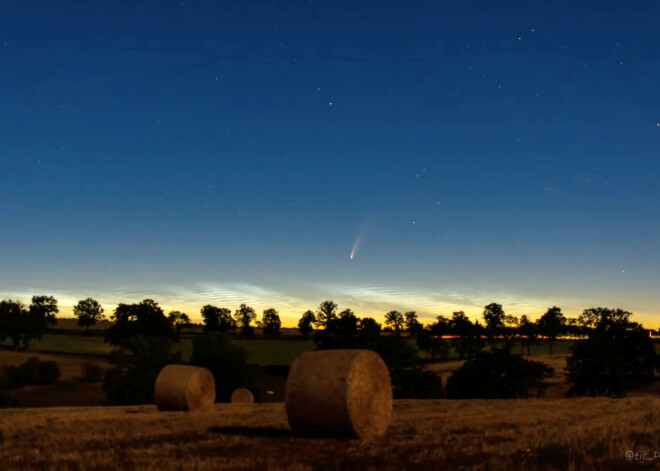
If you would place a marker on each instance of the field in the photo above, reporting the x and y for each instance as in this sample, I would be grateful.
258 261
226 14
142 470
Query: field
260 351
72 350
550 433
534 434
68 390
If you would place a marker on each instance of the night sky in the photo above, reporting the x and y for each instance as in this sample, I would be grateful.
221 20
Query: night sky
464 152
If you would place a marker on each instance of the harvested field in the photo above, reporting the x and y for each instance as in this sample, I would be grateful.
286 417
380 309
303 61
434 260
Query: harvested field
69 365
534 434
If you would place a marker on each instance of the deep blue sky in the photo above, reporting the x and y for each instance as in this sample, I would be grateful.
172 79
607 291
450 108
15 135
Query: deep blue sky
232 152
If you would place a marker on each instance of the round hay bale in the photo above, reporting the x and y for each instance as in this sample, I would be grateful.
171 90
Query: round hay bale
339 393
182 387
242 396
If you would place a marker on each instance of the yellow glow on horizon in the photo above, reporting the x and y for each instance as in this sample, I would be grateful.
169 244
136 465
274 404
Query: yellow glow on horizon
365 300
291 314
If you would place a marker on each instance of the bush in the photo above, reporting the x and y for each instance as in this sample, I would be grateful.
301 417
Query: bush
32 372
91 372
7 401
138 363
611 363
49 372
226 362
498 374
409 379
416 383
6 378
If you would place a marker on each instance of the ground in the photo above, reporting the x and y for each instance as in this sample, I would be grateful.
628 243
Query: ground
531 434
550 433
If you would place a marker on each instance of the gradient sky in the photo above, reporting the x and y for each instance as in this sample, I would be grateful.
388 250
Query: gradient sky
224 152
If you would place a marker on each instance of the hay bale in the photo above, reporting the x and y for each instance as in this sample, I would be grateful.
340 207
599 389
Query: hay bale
339 393
182 387
242 396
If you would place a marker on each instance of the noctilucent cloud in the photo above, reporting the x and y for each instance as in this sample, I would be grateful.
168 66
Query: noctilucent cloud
428 156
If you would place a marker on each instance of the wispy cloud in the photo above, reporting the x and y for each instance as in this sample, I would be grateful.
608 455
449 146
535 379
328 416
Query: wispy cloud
428 303
292 300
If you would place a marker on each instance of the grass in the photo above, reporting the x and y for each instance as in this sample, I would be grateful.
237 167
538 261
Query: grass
64 343
260 352
274 352
494 435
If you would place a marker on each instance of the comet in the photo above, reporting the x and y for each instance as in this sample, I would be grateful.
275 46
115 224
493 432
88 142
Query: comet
356 245
362 230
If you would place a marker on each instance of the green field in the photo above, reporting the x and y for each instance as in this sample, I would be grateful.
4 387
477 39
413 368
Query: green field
63 343
260 352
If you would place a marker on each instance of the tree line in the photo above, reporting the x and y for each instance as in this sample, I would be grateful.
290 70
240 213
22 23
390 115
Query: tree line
612 355
22 324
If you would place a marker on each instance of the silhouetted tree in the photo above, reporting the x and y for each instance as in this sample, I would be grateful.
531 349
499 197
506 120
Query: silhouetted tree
135 368
244 316
227 362
271 323
528 334
427 341
217 319
511 324
617 357
573 327
40 315
395 321
326 312
88 312
347 313
412 322
144 339
429 338
551 325
13 317
467 341
602 318
305 324
369 332
339 332
145 319
179 320
494 318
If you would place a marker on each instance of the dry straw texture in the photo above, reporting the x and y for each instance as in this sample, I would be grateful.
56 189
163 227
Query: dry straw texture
181 387
242 396
339 393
